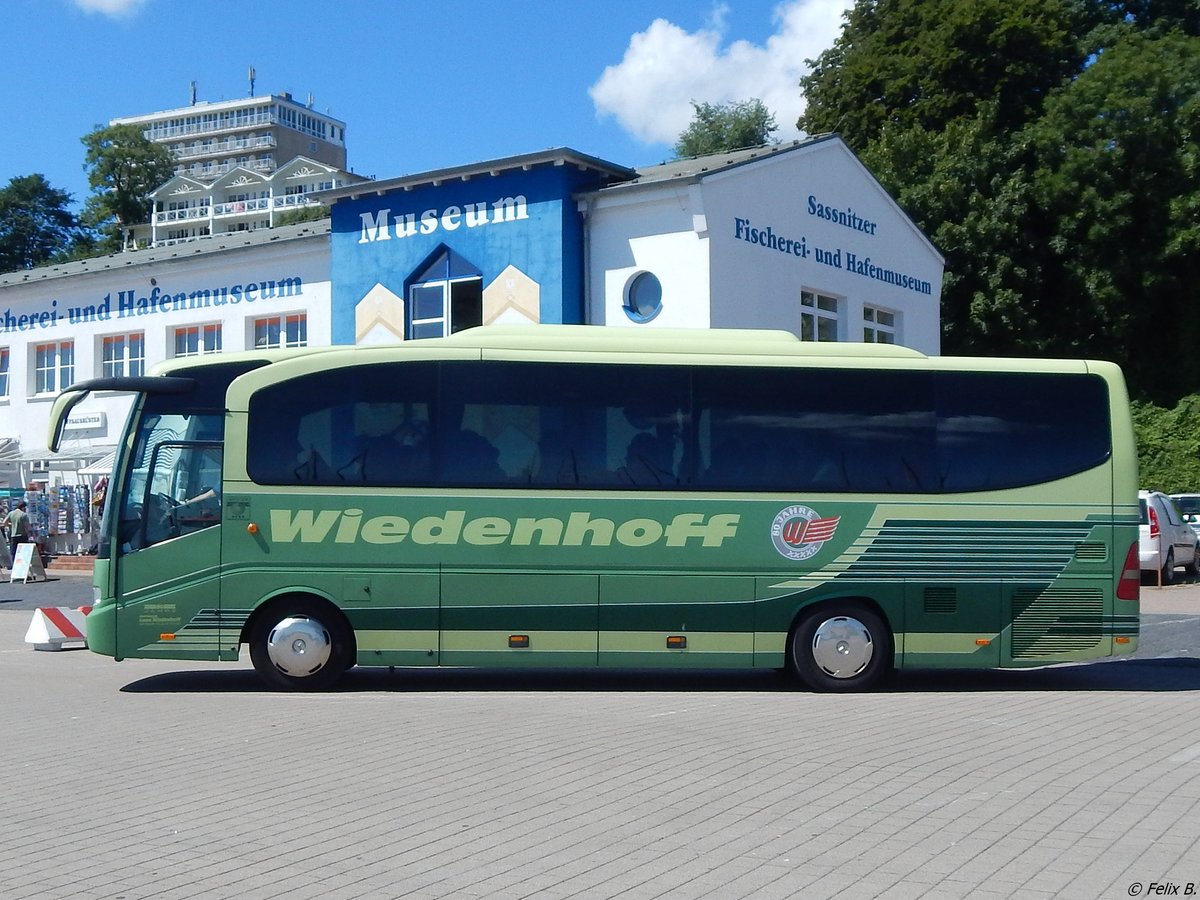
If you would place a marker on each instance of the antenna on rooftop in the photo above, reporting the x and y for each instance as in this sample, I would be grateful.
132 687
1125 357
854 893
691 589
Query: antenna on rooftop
250 75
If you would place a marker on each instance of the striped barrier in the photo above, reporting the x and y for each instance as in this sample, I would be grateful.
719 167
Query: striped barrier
53 626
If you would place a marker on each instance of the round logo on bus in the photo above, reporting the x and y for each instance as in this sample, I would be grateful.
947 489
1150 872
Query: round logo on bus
799 532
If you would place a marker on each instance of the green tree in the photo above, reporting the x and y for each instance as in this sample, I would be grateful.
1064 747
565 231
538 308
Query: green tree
124 167
36 223
1117 188
1169 445
718 127
926 63
1051 151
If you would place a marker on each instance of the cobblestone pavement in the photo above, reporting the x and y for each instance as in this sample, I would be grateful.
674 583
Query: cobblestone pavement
163 779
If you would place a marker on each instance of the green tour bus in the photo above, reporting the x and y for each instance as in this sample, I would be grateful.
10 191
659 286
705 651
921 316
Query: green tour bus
580 496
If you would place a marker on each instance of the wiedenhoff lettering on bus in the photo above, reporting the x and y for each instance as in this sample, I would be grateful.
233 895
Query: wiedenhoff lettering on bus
579 529
382 225
129 303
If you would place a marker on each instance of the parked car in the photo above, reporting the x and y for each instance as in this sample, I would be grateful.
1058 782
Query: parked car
1166 540
1189 505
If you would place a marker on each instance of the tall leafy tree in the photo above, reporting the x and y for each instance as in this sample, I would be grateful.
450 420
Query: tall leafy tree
123 166
36 223
718 127
926 63
1050 150
1117 182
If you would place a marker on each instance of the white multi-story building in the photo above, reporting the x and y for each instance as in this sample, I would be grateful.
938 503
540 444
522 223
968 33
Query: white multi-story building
211 139
186 208
240 165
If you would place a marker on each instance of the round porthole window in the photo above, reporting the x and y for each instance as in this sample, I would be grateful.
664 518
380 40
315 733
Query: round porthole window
643 297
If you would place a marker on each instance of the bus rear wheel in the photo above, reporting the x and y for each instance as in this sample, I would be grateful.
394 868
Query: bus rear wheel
841 648
300 645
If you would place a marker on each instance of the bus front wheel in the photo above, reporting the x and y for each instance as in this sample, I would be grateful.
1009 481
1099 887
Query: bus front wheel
841 648
300 644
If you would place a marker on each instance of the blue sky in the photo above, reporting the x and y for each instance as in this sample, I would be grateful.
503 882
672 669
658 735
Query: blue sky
421 85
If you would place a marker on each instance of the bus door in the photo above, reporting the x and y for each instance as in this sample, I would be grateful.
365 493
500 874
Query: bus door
168 548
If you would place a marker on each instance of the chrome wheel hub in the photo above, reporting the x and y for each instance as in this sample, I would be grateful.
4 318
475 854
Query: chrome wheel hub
842 647
299 646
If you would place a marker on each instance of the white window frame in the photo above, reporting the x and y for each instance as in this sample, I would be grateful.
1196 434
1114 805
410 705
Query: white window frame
880 326
290 330
445 322
123 354
818 313
208 339
53 367
5 362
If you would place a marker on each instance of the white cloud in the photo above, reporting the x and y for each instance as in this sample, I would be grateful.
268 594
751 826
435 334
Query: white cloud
114 8
650 92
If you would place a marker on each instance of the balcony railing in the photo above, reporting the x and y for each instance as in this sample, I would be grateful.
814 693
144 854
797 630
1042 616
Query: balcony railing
266 166
230 146
180 215
169 132
241 207
291 200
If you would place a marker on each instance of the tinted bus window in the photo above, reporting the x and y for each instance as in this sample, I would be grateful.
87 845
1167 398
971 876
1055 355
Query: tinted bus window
368 425
798 429
1004 430
663 427
474 424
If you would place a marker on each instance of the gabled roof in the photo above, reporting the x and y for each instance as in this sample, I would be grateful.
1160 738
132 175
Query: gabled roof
180 184
237 176
694 170
561 156
297 163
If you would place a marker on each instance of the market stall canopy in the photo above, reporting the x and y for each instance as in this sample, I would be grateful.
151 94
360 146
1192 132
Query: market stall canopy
102 466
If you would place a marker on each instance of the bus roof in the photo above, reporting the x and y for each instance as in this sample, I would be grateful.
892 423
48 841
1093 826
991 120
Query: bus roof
602 338
178 363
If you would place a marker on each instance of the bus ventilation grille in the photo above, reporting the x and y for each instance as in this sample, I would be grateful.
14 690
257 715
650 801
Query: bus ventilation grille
1056 620
1091 551
941 600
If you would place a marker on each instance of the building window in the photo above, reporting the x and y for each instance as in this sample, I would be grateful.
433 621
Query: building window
54 367
445 297
3 373
643 297
879 326
818 317
196 340
124 354
281 331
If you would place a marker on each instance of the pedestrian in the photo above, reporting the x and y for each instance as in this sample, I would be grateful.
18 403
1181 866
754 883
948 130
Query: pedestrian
16 525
